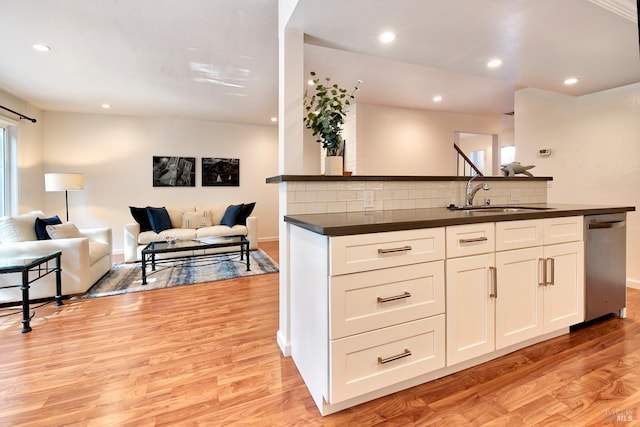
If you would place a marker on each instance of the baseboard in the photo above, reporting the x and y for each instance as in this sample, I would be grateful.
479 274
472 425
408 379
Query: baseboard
268 239
635 284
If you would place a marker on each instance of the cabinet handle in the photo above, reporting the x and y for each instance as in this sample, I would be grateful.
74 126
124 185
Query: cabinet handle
542 271
494 282
474 240
406 353
552 275
391 250
395 297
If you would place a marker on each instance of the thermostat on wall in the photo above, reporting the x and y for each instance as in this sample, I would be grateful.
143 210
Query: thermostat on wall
544 152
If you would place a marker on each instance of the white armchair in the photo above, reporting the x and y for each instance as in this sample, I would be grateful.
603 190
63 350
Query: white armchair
84 260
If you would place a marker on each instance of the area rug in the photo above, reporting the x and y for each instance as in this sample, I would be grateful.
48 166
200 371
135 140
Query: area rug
124 278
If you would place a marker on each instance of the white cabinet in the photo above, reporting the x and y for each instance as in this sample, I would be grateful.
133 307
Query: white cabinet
368 311
470 308
540 288
531 285
374 313
564 293
520 302
386 311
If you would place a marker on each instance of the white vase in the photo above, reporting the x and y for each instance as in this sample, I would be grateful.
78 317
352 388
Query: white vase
333 165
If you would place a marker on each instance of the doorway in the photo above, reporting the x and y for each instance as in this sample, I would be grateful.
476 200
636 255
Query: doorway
481 149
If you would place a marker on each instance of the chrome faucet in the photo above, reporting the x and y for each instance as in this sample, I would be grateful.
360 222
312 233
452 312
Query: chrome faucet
471 191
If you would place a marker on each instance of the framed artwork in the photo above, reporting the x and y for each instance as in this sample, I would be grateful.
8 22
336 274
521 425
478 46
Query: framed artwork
217 172
174 171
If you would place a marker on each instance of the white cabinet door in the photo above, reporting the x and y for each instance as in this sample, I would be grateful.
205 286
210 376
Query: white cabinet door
564 295
470 308
520 296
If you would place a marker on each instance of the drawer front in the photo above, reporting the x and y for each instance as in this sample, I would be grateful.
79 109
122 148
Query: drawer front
470 239
519 234
371 300
363 252
373 360
562 230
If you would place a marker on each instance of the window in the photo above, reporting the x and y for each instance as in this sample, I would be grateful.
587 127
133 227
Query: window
4 163
507 154
477 157
7 168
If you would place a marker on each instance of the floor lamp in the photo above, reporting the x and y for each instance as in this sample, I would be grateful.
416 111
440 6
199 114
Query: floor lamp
64 182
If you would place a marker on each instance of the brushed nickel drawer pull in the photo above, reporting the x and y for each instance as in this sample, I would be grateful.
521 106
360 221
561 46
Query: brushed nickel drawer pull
552 275
394 298
494 282
542 271
474 240
391 250
406 353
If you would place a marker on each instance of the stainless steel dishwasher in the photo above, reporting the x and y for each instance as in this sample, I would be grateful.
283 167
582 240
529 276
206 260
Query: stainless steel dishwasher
605 265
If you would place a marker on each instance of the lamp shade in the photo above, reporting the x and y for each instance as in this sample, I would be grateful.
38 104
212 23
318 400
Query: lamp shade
63 181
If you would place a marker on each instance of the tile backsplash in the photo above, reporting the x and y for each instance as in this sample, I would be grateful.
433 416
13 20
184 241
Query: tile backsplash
305 197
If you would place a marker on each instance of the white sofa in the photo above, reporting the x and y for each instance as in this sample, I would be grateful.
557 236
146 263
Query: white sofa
135 241
84 260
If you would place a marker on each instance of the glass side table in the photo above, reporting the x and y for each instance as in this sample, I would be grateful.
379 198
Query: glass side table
32 269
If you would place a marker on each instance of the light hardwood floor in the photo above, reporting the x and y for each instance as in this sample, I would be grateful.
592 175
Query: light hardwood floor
207 355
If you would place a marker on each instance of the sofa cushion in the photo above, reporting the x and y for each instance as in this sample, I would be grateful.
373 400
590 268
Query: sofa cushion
159 219
19 228
244 213
41 224
142 217
63 231
221 230
97 251
196 219
179 233
230 215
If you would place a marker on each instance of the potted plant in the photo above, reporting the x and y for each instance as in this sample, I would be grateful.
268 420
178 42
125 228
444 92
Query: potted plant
324 115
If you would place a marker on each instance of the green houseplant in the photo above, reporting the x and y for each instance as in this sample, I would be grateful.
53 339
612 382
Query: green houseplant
325 112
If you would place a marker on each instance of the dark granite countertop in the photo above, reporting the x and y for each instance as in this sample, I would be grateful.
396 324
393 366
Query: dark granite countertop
348 223
348 178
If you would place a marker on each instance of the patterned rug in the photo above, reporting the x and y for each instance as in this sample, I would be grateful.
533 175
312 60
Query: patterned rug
125 278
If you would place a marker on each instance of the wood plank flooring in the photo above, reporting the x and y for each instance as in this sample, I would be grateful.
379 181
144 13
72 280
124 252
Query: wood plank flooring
206 355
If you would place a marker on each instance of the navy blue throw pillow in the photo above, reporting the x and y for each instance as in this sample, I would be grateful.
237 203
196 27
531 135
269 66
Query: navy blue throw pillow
41 226
230 215
142 217
244 213
159 219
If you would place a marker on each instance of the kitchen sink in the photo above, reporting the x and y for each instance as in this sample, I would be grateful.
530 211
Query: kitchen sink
505 209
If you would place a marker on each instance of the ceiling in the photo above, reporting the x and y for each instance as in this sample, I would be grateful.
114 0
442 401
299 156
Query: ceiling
218 59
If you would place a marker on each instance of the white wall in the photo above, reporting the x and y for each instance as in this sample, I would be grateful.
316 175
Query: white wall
401 141
595 143
115 154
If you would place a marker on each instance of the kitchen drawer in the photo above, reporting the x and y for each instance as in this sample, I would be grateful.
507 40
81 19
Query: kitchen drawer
376 299
363 252
470 239
519 234
561 230
373 360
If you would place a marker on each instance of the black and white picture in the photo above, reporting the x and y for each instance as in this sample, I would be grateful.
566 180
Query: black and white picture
220 172
174 171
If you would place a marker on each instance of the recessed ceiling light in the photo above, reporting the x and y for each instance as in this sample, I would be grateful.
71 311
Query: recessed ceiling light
437 98
41 47
571 81
310 82
106 106
387 37
494 63
274 119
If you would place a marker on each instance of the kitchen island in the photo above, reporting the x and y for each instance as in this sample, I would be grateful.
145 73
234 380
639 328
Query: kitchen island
386 300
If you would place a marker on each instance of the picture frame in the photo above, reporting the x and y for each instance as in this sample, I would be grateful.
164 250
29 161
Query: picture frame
172 171
220 172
